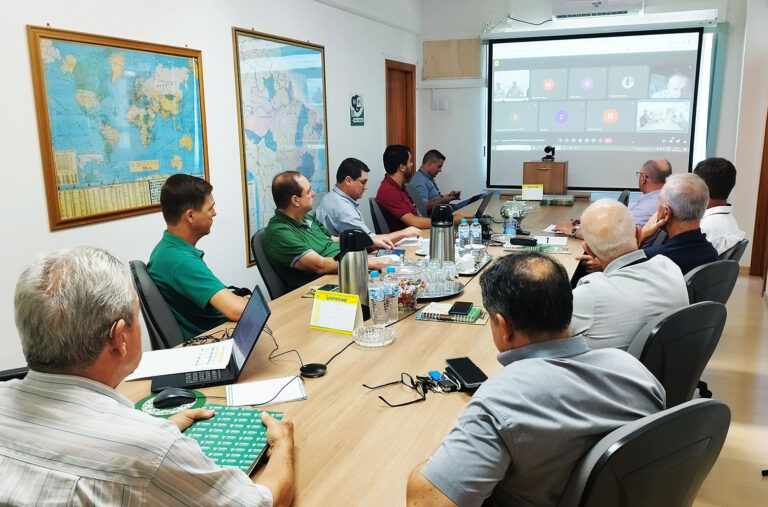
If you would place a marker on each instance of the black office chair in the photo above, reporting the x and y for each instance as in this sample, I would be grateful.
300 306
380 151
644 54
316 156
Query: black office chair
162 327
380 225
624 197
677 345
14 373
413 193
735 252
660 237
275 285
661 459
713 281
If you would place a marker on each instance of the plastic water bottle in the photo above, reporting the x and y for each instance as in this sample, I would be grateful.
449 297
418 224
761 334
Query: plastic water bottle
476 239
464 244
377 296
510 227
393 292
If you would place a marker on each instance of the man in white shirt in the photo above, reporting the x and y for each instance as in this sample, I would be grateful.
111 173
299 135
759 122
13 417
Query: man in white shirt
69 438
611 306
718 223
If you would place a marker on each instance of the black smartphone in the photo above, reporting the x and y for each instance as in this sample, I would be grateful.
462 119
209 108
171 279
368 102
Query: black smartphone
460 308
390 252
466 372
329 287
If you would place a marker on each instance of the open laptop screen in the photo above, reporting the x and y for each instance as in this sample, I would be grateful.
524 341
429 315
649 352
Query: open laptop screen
249 328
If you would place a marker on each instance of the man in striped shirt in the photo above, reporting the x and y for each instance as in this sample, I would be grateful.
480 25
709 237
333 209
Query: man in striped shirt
67 437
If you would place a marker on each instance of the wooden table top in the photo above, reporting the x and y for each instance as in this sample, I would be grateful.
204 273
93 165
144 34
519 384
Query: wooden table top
350 447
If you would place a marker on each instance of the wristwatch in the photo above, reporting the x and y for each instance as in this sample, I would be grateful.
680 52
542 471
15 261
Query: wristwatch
574 231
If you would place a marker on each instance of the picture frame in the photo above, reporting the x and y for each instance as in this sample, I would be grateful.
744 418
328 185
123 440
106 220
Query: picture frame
282 121
115 118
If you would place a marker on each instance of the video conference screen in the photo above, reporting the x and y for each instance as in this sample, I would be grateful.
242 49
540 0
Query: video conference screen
605 103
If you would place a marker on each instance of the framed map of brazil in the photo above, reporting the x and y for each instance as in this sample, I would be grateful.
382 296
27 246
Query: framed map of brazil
281 111
115 118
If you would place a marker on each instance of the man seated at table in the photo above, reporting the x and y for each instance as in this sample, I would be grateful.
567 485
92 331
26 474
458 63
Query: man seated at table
339 209
527 426
298 246
682 203
718 223
628 280
424 181
197 299
650 180
395 203
69 438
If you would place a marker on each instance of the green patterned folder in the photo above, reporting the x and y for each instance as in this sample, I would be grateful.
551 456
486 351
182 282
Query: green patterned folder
234 437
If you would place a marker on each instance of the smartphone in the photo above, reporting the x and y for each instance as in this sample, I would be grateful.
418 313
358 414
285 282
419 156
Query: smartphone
390 252
329 287
460 308
465 372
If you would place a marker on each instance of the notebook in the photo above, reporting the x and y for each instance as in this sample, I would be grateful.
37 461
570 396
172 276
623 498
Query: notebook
244 338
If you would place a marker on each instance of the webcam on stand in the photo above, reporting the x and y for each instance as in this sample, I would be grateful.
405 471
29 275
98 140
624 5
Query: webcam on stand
550 153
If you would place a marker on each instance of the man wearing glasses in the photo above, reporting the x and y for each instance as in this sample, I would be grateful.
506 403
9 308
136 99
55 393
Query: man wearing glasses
527 427
339 209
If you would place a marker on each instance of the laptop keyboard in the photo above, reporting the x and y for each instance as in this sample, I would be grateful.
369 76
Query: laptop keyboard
195 377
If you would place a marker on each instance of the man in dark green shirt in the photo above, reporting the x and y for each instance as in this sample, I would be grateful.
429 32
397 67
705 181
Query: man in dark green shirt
298 246
197 299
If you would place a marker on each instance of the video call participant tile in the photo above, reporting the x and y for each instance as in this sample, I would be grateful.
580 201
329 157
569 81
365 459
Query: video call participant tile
566 116
517 116
611 116
629 82
663 115
587 83
549 84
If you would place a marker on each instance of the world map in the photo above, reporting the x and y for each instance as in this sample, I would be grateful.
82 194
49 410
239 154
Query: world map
121 122
283 120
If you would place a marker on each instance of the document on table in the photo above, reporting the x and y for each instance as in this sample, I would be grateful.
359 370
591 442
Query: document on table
551 229
211 356
412 241
267 392
552 240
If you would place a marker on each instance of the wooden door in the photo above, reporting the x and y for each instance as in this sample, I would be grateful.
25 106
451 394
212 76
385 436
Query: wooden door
401 104
759 261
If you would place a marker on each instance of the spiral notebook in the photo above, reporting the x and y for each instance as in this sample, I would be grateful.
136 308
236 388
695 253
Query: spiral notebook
440 312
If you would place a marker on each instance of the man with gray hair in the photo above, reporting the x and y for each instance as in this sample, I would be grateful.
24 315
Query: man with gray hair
628 280
682 202
69 438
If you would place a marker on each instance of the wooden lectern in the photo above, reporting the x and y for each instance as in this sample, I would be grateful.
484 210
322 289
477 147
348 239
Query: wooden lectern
553 175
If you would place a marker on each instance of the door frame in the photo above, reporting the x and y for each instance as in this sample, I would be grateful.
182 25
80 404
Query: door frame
410 94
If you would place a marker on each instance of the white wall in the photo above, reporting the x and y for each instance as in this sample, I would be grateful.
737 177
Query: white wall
460 130
355 49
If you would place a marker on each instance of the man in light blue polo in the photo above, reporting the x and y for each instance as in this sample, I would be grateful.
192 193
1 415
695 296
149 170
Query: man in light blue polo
424 181
340 210
527 426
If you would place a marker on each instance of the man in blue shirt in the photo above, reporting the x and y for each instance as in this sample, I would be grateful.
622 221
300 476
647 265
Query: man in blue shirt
424 181
339 209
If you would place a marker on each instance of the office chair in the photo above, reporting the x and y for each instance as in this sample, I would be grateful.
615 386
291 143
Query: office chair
661 459
677 345
660 237
11 374
735 252
275 285
624 197
164 332
416 198
380 225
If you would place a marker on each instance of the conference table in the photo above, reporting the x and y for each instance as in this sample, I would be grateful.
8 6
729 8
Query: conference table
350 447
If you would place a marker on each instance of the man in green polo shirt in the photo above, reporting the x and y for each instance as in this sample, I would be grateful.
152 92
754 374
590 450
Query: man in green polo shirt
300 248
197 299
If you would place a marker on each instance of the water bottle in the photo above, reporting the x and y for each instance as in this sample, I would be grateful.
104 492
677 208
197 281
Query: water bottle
393 285
510 226
377 299
476 239
464 244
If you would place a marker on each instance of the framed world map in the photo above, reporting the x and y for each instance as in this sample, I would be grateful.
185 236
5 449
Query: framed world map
115 118
282 119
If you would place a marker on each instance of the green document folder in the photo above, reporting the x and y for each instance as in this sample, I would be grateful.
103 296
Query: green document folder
233 437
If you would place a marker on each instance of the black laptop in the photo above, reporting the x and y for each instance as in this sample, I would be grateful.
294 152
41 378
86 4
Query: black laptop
486 200
466 202
244 338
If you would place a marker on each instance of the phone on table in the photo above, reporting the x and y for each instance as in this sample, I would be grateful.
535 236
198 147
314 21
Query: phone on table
466 372
390 252
331 287
460 308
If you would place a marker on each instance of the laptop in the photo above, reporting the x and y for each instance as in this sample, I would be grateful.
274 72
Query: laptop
466 202
244 338
486 200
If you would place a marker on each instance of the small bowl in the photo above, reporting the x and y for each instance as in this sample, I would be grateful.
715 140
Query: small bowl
374 336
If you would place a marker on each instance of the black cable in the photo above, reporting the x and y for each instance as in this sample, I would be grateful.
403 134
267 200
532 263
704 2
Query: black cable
529 22
277 393
339 352
271 356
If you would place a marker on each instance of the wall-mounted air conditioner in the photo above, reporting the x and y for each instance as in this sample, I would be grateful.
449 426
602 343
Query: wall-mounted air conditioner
564 9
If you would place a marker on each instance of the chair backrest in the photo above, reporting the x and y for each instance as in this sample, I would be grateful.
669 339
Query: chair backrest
736 251
379 222
275 285
18 373
661 459
162 327
413 193
713 281
677 345
661 236
624 197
